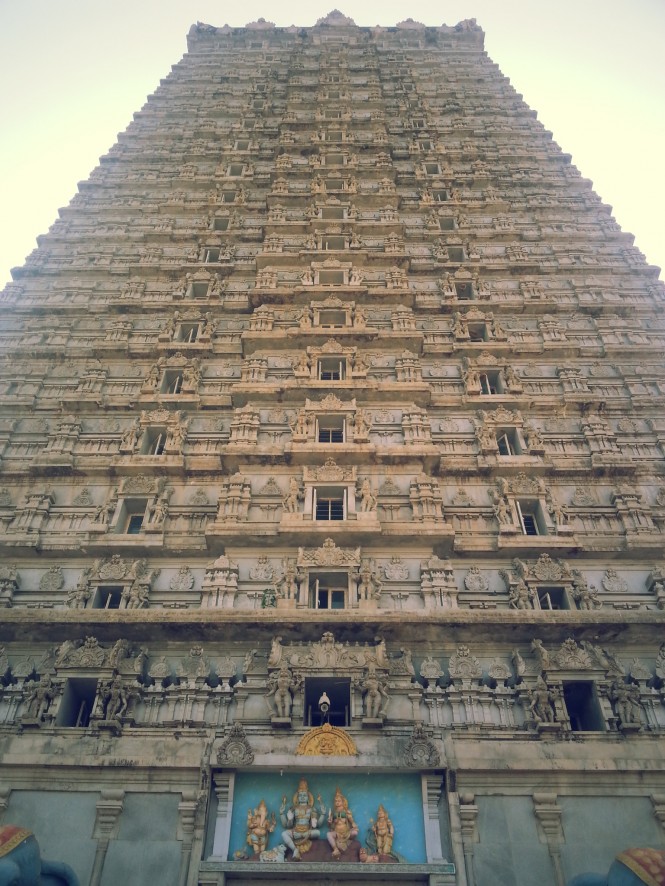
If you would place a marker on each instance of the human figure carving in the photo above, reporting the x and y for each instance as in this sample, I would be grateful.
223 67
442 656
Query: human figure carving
301 820
341 826
279 687
384 832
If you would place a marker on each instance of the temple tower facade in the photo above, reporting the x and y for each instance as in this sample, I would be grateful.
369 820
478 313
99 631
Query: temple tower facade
332 485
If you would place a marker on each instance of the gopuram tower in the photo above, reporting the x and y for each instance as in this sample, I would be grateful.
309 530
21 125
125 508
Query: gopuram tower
332 485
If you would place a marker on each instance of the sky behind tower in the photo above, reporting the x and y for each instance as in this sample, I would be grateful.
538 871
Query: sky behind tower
72 73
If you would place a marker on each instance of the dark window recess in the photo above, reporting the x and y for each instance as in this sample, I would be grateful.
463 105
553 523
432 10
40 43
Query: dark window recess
334 184
328 591
155 441
331 430
552 598
507 442
107 598
332 319
456 254
220 224
432 168
228 196
135 524
189 332
334 159
582 707
464 291
489 382
331 278
339 694
330 507
199 290
235 169
333 242
331 369
77 702
440 196
211 255
333 212
447 224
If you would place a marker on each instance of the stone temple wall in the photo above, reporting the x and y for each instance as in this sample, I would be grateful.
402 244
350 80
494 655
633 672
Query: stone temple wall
332 447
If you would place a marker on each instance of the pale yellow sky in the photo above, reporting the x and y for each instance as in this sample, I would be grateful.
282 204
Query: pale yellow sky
72 73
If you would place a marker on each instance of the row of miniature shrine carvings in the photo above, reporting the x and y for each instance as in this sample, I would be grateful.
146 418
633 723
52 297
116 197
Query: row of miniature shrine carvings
84 683
358 580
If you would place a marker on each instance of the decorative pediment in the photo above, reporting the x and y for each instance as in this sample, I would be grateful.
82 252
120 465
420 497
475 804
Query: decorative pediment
330 472
326 741
329 555
235 750
327 655
330 403
464 665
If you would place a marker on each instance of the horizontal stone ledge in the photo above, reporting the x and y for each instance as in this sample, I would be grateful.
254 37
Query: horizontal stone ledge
408 873
419 626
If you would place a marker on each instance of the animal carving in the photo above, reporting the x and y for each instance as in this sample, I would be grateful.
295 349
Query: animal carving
274 855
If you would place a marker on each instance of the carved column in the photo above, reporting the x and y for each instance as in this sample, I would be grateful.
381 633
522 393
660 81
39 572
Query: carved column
224 783
468 813
431 795
187 822
548 816
109 807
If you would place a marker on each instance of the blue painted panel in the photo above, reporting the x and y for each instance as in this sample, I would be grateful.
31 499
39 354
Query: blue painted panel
401 795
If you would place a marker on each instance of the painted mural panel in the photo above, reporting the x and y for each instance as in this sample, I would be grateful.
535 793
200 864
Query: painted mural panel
348 816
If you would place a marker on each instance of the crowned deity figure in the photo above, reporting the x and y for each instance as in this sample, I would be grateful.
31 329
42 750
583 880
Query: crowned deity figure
301 820
260 823
341 826
384 832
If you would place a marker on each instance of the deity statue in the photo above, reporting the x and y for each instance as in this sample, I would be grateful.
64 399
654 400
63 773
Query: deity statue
384 832
279 687
341 826
260 823
541 702
375 695
301 820
38 697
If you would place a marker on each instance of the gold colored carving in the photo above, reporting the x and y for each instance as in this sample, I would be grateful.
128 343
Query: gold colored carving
326 741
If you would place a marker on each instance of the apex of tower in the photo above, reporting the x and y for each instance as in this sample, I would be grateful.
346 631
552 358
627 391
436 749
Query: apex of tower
336 18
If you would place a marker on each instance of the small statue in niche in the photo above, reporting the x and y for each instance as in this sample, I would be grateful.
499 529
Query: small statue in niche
626 698
279 687
375 695
293 498
260 823
114 699
301 820
541 702
384 832
341 826
519 596
38 698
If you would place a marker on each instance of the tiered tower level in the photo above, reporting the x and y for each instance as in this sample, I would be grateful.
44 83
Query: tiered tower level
334 377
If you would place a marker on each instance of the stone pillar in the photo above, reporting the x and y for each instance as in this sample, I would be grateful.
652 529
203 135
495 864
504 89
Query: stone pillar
431 795
109 807
548 816
468 813
187 822
224 783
